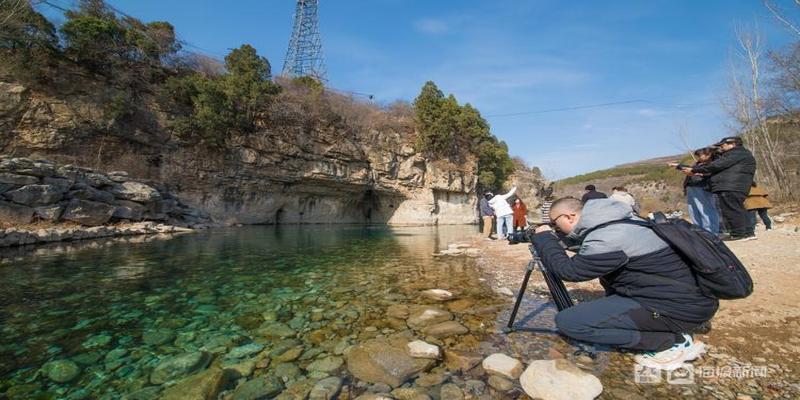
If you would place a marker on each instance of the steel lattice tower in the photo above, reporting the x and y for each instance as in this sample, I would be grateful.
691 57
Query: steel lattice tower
304 56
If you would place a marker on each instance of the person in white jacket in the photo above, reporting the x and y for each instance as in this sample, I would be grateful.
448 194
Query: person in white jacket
503 212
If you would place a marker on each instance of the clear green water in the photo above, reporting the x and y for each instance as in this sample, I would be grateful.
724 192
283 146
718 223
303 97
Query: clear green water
118 311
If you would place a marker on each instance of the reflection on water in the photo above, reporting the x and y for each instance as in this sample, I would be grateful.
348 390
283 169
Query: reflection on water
117 312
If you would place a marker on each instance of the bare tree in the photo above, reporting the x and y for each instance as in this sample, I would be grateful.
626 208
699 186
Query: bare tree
748 107
773 9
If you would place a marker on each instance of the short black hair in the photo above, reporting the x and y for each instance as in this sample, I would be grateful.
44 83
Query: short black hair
590 187
570 203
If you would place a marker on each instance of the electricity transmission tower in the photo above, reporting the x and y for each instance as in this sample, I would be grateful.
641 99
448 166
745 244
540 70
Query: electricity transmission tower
304 56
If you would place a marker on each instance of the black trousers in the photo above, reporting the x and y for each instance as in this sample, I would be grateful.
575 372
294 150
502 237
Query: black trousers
762 212
620 322
736 217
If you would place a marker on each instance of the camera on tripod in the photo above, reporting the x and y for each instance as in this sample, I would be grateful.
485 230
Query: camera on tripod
525 236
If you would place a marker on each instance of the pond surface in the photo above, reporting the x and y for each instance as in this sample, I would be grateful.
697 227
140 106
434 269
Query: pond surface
117 312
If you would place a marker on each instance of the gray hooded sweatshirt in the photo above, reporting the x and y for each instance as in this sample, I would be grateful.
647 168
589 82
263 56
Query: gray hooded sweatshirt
630 260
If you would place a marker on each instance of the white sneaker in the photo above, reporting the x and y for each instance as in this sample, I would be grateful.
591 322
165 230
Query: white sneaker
672 358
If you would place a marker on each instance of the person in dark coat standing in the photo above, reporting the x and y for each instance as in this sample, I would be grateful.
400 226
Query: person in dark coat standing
731 177
591 193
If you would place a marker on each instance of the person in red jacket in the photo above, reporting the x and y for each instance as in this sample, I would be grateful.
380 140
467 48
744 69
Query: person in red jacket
520 214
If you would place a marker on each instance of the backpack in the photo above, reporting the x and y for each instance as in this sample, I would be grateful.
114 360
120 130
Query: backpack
718 271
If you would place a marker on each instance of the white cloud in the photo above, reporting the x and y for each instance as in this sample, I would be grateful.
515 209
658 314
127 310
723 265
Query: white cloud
431 26
649 112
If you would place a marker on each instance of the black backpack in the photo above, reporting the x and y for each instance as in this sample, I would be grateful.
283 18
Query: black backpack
717 270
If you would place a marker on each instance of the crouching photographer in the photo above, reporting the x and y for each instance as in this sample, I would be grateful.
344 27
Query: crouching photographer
652 299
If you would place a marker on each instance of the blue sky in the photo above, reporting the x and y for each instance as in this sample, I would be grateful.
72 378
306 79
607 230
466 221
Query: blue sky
669 58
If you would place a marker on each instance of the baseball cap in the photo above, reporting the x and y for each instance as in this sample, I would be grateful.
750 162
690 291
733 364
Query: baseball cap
729 139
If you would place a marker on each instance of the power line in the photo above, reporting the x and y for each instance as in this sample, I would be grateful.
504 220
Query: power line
614 103
597 105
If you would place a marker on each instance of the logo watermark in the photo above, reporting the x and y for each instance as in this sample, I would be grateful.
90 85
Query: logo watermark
688 374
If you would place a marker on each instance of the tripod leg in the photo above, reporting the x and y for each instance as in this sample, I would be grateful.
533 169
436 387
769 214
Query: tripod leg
521 293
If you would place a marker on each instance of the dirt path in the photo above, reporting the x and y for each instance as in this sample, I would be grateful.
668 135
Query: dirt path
754 346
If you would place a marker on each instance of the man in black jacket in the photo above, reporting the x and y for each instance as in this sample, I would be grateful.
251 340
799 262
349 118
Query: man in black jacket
652 299
590 193
731 177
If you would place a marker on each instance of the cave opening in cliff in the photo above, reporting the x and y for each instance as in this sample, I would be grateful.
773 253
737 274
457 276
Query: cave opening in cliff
279 216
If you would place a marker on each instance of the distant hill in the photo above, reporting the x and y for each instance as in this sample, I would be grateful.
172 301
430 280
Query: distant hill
656 186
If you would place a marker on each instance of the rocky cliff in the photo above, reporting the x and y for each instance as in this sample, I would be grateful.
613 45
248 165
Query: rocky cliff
288 172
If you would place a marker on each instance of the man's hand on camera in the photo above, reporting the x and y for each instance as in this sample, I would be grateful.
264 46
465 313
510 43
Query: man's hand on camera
543 228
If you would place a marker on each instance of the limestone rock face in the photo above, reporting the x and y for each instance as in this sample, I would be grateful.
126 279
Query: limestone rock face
291 172
559 380
43 190
379 361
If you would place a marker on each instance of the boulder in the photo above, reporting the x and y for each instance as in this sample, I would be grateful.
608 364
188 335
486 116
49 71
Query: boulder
178 366
61 183
85 192
559 380
35 195
445 329
378 361
326 389
205 385
14 179
15 214
49 213
89 213
258 388
420 349
420 317
135 191
97 180
503 365
129 210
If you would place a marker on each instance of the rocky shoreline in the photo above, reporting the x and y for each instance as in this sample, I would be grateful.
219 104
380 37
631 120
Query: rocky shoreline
22 237
43 191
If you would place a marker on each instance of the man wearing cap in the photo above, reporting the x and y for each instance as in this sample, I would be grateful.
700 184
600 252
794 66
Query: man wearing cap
591 193
731 177
487 214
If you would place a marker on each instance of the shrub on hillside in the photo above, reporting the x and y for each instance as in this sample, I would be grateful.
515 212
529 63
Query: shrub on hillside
447 129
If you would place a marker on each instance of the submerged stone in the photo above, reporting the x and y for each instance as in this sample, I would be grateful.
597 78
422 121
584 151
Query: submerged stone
205 385
178 366
61 371
245 350
326 389
377 361
327 364
258 388
157 337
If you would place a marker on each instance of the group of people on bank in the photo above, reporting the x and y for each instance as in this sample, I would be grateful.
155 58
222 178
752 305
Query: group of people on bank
653 304
721 194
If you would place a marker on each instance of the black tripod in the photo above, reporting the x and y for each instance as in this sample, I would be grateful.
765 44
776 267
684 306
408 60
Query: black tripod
557 289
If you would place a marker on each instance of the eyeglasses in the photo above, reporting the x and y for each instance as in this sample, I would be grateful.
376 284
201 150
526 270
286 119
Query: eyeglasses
554 220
